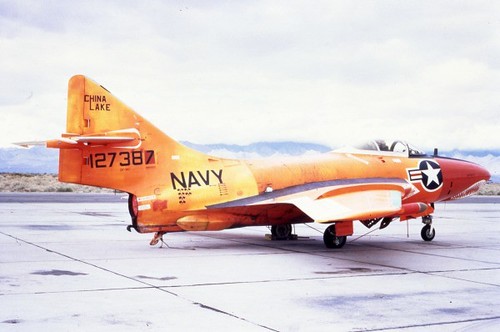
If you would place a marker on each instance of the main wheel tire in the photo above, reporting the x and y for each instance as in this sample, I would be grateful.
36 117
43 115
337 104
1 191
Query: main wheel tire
428 233
331 240
281 232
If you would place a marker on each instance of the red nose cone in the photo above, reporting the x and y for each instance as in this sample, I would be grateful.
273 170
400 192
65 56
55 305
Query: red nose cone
483 173
461 178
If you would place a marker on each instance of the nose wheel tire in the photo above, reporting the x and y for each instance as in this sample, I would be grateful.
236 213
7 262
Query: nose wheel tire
428 232
331 239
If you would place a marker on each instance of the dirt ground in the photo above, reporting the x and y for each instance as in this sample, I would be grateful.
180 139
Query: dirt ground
21 182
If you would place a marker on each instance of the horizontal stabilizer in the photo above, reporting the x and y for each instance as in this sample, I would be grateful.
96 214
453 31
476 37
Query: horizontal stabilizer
29 144
115 138
102 139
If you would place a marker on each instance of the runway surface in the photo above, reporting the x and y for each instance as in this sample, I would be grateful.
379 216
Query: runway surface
67 263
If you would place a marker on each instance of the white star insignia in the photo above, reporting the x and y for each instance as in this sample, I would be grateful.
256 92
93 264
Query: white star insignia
432 174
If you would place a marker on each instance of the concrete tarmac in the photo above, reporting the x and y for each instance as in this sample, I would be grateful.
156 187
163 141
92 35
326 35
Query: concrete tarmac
67 263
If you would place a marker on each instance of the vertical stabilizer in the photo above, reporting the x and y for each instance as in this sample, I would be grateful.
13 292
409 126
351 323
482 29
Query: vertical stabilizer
107 144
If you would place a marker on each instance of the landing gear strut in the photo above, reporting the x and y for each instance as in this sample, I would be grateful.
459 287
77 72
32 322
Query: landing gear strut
428 232
331 239
157 238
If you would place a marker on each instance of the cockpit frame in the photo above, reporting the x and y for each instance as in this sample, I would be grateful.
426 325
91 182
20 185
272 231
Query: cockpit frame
386 147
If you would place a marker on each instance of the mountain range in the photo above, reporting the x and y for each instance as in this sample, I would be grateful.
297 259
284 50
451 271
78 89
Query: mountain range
42 160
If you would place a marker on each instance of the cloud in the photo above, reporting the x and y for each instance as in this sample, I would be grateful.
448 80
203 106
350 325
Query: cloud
241 72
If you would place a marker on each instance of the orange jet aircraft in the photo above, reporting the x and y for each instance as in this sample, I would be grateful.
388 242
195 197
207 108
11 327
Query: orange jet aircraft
173 188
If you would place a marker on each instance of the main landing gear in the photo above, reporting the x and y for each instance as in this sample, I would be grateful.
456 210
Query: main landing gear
282 232
428 232
331 239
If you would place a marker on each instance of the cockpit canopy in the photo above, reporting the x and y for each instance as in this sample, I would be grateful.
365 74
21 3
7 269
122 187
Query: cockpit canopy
396 146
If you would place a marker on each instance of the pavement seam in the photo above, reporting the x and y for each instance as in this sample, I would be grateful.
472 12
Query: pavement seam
430 324
150 286
408 270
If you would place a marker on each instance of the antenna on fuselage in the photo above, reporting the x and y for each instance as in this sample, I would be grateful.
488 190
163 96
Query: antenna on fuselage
435 152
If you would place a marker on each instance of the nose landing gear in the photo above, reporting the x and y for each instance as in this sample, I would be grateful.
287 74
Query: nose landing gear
428 232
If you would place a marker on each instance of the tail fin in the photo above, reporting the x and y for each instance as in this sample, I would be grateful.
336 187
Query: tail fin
107 144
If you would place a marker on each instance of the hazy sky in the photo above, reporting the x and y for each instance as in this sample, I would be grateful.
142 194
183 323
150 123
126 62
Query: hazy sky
245 71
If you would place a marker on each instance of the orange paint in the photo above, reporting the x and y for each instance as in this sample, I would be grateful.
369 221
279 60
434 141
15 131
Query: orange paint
107 144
